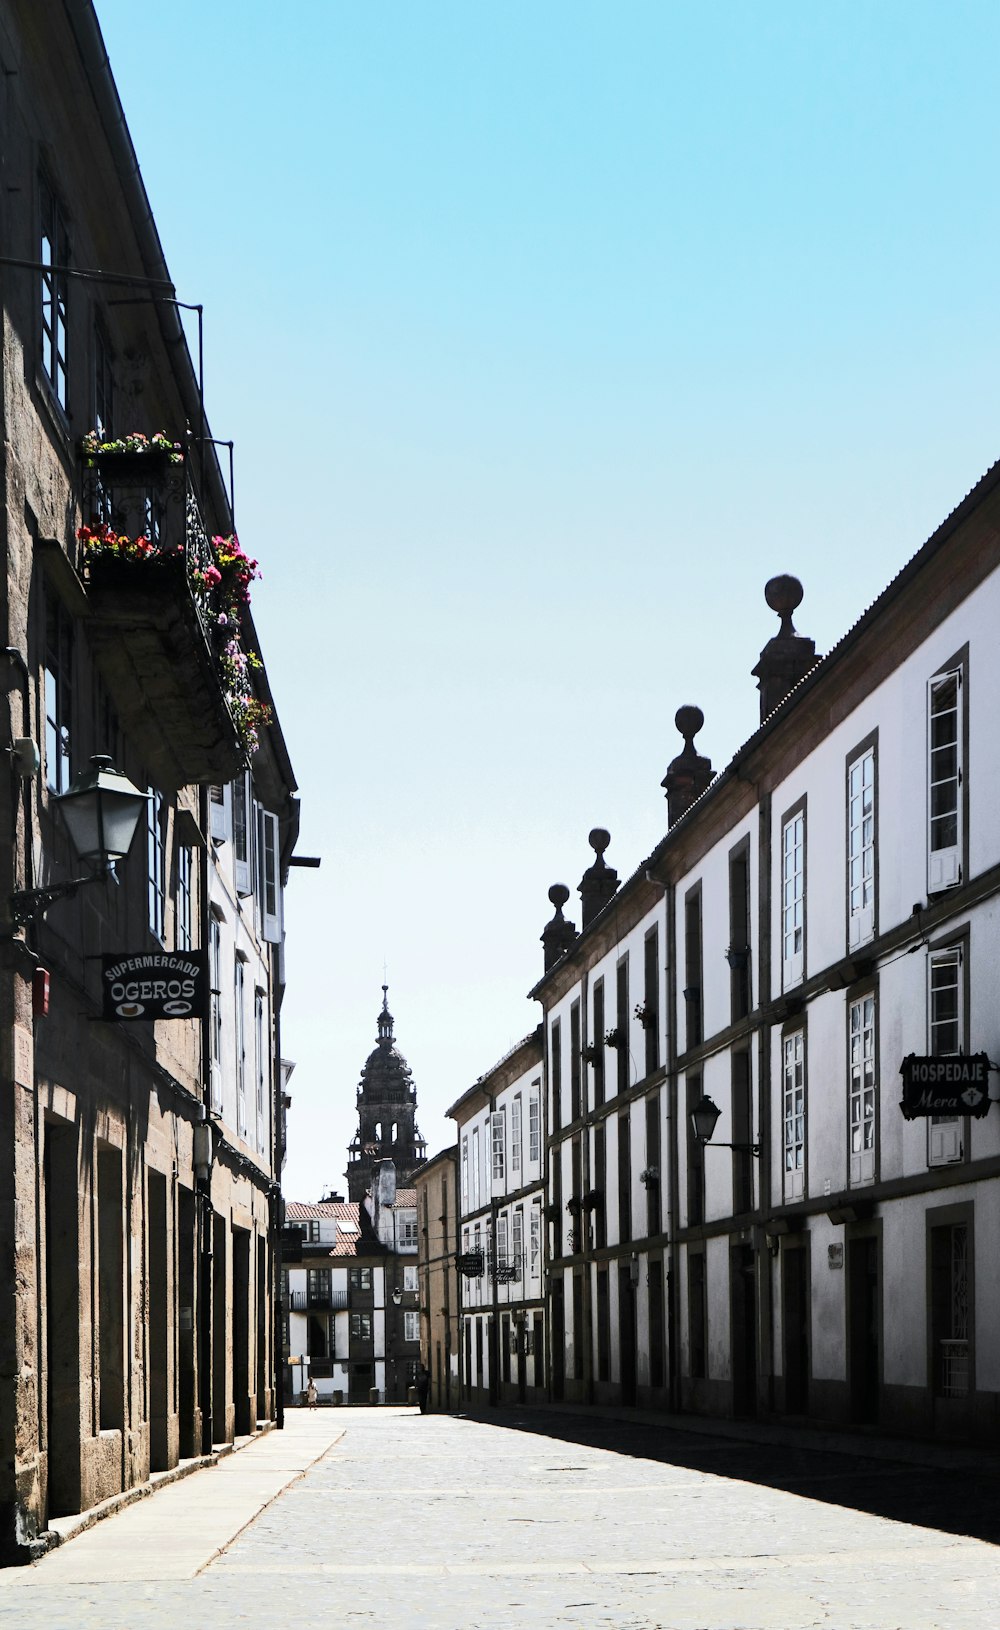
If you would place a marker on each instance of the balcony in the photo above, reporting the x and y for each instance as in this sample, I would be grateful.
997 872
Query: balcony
323 1301
154 621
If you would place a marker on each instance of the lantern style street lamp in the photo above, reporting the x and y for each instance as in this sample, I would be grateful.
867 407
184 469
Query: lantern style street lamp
704 1120
101 811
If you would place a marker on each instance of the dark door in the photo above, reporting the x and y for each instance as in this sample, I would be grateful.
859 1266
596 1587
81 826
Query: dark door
864 1359
795 1326
743 1297
557 1340
626 1334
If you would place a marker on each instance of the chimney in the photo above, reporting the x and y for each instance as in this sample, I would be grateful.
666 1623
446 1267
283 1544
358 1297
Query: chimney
787 657
600 881
557 935
688 774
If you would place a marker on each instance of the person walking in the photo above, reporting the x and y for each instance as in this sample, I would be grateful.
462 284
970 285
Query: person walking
312 1396
423 1387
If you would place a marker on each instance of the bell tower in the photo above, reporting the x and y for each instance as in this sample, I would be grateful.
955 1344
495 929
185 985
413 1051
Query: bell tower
387 1109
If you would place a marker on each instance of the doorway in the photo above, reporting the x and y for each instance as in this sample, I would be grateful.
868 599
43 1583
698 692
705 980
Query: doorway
743 1302
863 1329
795 1328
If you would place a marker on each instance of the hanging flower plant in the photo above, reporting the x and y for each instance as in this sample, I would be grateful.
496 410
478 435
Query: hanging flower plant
102 542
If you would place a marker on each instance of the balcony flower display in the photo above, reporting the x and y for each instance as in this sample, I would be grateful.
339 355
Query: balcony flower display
135 444
220 586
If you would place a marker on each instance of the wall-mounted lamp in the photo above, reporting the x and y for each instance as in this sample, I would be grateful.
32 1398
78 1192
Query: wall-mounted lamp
397 1296
101 811
204 1151
705 1118
633 1270
738 956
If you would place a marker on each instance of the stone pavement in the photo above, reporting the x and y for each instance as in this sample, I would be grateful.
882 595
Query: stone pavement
383 1517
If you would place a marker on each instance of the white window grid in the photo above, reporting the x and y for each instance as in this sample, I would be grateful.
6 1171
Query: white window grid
945 1038
515 1134
498 1145
535 1124
410 1276
184 917
241 1053
793 900
794 1106
861 847
411 1326
156 850
863 1089
517 1240
465 1170
535 1242
475 1169
262 1062
944 780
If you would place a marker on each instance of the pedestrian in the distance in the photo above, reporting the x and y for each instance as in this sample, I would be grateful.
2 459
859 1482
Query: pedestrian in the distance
311 1394
423 1387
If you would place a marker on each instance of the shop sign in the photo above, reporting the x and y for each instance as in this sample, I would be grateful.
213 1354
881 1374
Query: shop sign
155 985
945 1086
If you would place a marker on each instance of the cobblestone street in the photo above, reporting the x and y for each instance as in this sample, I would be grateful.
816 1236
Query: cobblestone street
383 1517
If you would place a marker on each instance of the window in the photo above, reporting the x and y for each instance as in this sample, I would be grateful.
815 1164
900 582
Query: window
738 954
214 975
863 1089
268 900
361 1326
517 1241
793 899
693 1007
411 1326
503 1256
535 1123
410 1275
465 1172
951 1310
54 252
556 1062
946 1036
498 1145
156 850
575 1108
515 1134
599 1181
624 1179
742 1102
241 1053
695 1156
622 1024
318 1281
651 998
653 1165
794 1120
184 919
475 1168
945 732
861 849
219 800
697 1315
535 1241
260 1034
598 1043
408 1230
242 804
359 1278
58 693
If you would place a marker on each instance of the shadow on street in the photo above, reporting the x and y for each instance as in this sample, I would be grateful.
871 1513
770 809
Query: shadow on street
956 1500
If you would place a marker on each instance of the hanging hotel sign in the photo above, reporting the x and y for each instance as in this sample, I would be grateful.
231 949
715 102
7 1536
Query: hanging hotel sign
155 985
945 1086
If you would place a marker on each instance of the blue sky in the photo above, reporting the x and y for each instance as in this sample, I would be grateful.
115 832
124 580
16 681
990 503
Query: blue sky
547 333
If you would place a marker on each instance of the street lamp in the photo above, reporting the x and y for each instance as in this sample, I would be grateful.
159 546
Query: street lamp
397 1297
101 811
705 1118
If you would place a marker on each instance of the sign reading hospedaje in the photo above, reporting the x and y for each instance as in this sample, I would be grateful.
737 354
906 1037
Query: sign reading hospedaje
154 985
945 1086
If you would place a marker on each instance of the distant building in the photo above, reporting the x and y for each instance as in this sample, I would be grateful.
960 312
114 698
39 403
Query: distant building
351 1305
436 1188
501 1258
387 1108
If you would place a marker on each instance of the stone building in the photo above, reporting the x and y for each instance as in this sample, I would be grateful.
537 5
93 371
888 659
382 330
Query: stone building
387 1108
139 1154
436 1189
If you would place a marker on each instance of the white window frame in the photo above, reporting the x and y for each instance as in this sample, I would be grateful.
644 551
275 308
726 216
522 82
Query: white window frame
156 858
861 815
476 1176
184 909
410 1281
411 1325
515 1134
862 1088
498 1148
219 809
268 878
793 1139
465 1171
241 797
945 780
793 899
535 1123
945 1133
239 993
517 1241
215 998
263 1053
535 1241
503 1253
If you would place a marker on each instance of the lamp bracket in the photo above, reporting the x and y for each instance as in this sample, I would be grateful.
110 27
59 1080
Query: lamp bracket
745 1148
26 904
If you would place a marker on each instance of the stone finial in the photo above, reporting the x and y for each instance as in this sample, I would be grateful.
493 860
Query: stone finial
385 1019
557 935
600 881
787 657
689 773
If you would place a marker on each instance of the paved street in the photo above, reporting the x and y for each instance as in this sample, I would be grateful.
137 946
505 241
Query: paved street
383 1517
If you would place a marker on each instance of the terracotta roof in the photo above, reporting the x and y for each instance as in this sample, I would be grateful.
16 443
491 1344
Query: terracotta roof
405 1197
301 1211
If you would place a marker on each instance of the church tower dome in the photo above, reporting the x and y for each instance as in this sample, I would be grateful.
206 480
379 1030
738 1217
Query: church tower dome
387 1108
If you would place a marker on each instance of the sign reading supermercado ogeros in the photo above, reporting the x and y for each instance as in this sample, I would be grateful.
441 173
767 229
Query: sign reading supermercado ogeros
155 985
945 1086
